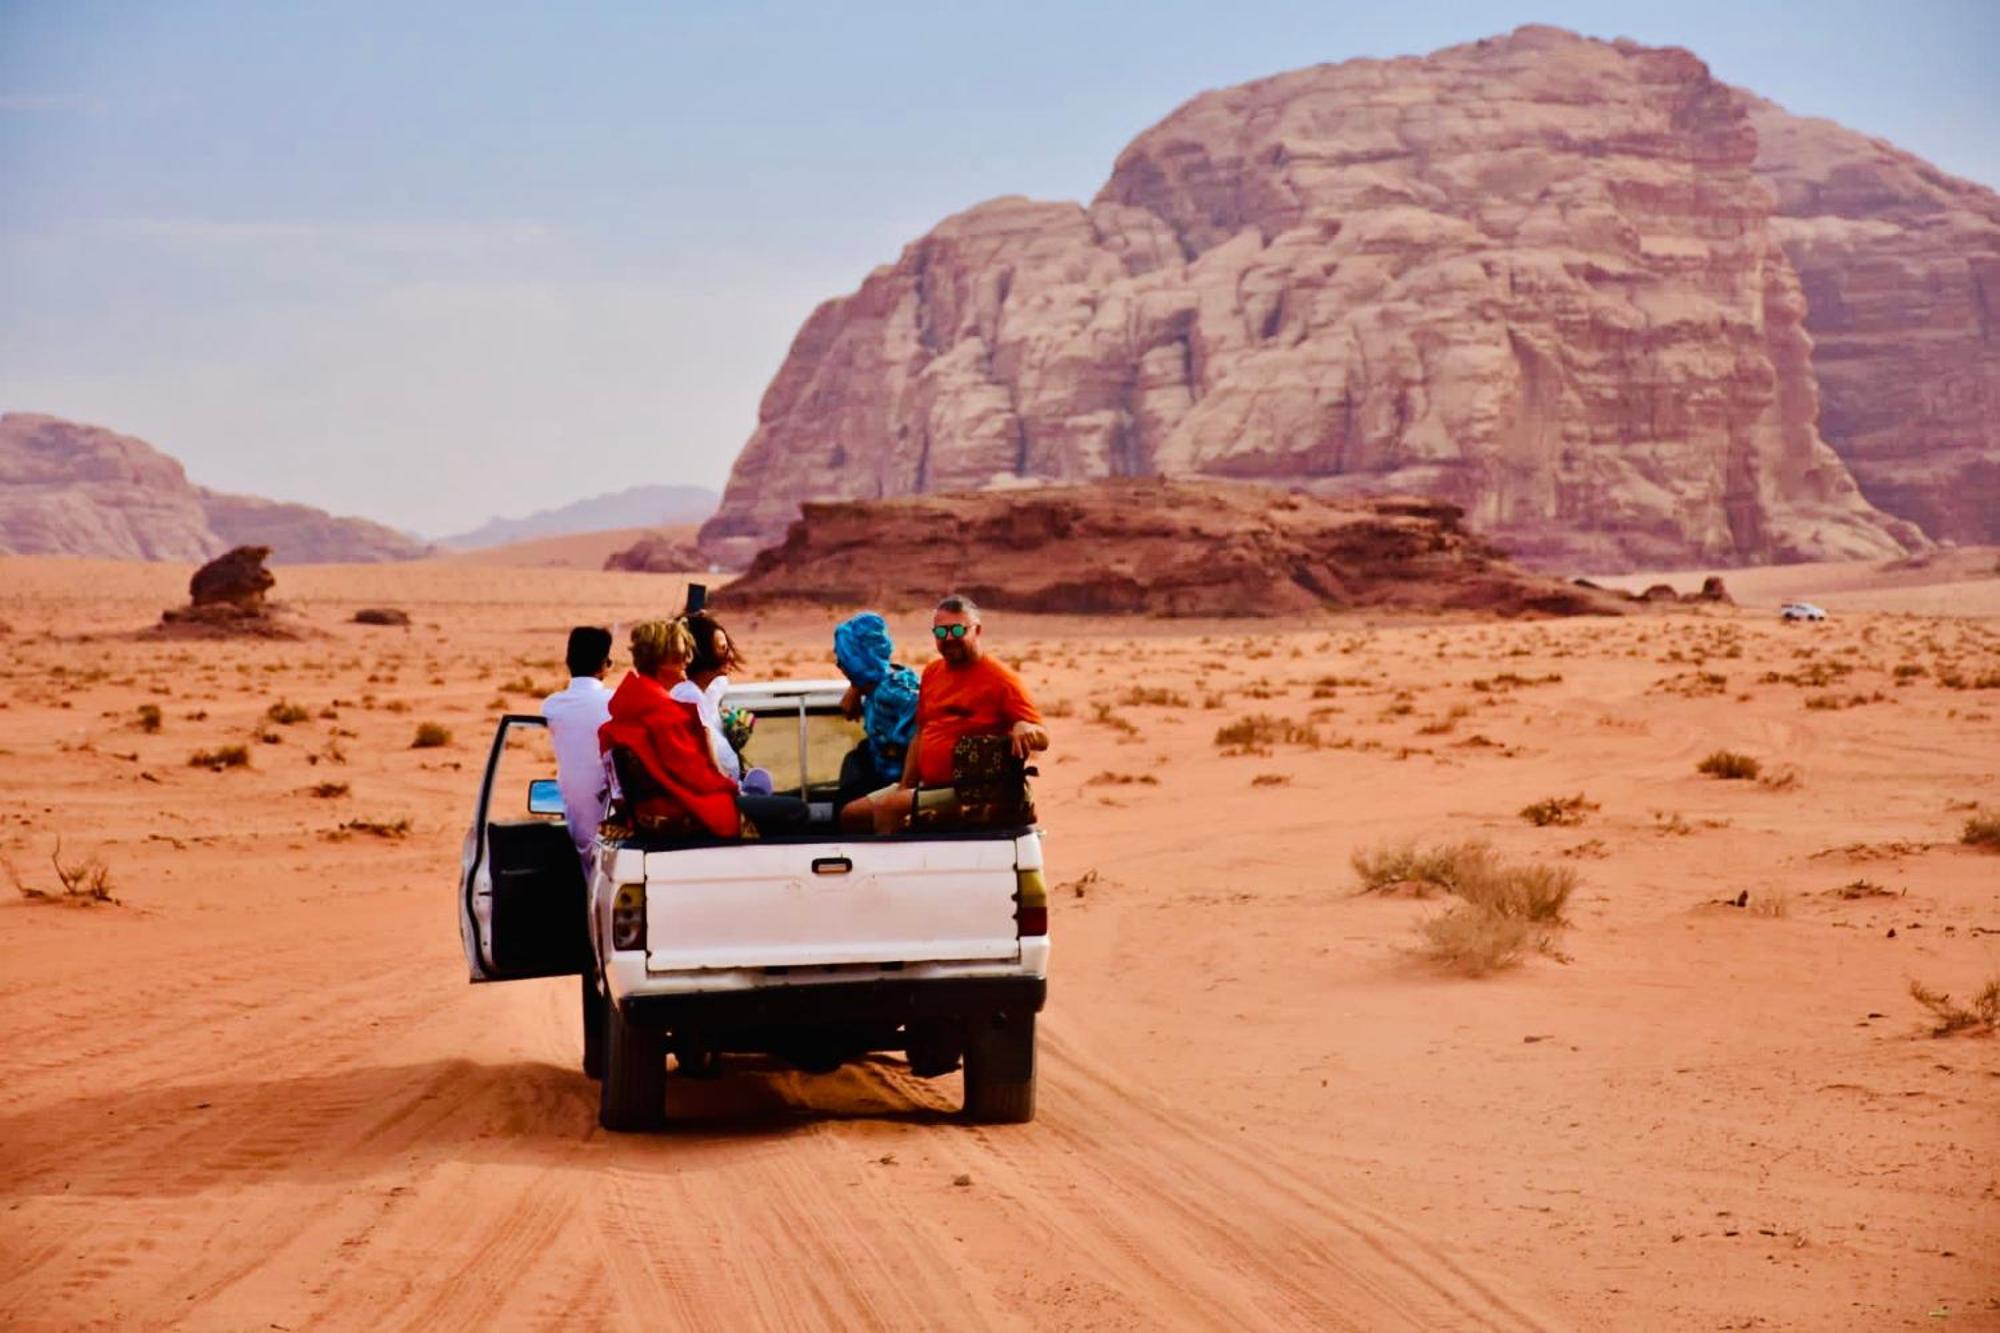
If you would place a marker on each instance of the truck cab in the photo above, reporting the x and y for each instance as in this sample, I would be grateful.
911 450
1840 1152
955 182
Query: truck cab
812 945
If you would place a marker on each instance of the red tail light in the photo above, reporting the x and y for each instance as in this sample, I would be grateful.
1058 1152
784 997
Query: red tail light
1032 921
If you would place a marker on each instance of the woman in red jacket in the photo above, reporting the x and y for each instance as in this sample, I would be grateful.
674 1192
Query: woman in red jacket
666 738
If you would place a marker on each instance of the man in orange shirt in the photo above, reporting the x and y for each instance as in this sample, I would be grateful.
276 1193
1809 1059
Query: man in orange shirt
964 693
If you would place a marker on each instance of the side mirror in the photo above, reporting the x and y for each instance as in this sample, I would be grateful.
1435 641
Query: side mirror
545 797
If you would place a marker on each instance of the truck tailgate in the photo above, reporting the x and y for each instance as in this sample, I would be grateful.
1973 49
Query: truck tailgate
805 904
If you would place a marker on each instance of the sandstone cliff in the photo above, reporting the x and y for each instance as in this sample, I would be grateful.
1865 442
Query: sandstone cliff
70 489
1534 276
1901 269
1149 546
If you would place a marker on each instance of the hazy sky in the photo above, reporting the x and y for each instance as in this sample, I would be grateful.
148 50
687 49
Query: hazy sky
430 262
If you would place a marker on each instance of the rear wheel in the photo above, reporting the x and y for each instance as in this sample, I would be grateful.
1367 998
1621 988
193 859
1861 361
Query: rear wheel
633 1095
1000 1069
593 1027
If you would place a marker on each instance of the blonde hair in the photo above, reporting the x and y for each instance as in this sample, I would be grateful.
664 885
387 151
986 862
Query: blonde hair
657 643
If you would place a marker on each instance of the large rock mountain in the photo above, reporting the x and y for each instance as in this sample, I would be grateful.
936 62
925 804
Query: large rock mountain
70 489
1536 276
1901 269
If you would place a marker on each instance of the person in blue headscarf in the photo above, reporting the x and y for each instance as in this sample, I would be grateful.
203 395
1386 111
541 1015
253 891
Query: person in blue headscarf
882 696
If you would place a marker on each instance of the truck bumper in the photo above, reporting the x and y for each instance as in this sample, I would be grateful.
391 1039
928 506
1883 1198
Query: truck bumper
822 1004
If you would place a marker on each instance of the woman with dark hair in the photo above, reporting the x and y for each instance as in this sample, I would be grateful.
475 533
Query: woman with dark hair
707 682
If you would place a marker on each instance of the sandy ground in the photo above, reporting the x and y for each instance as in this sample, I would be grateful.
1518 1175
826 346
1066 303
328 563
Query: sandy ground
258 1093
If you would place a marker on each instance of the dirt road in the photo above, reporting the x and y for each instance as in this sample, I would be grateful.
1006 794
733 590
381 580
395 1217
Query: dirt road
258 1094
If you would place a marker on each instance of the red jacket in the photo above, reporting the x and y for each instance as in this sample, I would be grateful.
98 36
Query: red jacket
668 739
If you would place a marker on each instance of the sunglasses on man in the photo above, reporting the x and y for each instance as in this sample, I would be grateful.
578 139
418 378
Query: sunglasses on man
943 632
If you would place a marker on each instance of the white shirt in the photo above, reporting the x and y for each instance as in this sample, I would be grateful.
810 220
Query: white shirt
709 704
574 715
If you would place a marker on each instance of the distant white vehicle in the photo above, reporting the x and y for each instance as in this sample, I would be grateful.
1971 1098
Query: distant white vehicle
1802 611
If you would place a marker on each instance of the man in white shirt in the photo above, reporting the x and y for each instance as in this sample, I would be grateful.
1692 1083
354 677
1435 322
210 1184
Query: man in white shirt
574 714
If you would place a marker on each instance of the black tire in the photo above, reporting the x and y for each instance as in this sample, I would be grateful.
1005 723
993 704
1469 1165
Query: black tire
633 1096
593 1028
1000 1070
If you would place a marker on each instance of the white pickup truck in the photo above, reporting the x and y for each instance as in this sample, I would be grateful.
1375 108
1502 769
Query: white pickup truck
815 946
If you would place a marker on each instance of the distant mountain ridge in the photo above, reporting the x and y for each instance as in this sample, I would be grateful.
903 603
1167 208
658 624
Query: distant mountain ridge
633 507
73 489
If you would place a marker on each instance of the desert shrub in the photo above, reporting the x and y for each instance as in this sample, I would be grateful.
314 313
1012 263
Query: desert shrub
399 828
1257 733
520 685
1536 893
381 615
1561 811
1444 866
84 883
223 756
1110 779
1982 830
1474 941
287 714
328 790
1729 765
1271 780
431 735
1141 696
1982 1015
1105 715
149 717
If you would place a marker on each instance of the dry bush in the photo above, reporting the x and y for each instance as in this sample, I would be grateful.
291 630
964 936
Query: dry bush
1982 1016
1783 778
1105 715
1729 765
1561 811
431 735
149 717
326 791
1140 696
1474 941
221 757
287 714
379 828
84 883
1444 866
1271 780
1110 779
1257 733
520 685
1982 830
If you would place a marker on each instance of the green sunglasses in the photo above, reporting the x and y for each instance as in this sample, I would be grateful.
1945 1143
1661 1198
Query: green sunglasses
943 632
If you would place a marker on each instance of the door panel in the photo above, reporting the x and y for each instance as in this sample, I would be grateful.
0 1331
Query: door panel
523 901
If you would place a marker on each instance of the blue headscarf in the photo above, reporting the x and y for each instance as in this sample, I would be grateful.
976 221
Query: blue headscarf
862 646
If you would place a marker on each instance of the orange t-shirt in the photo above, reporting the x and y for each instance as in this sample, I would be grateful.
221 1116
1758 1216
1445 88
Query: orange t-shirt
980 699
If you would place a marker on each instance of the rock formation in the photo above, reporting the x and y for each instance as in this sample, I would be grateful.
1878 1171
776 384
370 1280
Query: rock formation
226 600
1149 546
302 535
70 489
1534 276
1901 269
78 490
657 553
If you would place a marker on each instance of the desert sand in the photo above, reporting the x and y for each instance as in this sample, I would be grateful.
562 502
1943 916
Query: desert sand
256 1092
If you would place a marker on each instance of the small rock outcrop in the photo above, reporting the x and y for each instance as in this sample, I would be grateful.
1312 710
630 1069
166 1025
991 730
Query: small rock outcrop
656 553
1534 276
382 615
72 489
235 578
1150 547
226 600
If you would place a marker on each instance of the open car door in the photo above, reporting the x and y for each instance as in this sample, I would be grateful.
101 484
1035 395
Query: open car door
522 898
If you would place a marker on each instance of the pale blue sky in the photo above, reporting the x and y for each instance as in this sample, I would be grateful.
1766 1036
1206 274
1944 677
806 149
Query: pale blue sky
429 262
